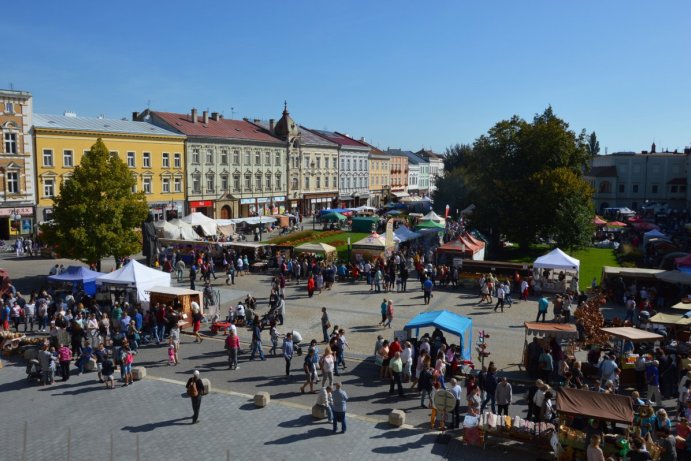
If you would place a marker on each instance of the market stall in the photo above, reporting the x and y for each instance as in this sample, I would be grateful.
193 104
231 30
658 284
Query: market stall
371 247
206 224
364 224
136 279
78 276
320 250
445 321
555 271
176 229
546 331
180 298
578 408
674 277
627 360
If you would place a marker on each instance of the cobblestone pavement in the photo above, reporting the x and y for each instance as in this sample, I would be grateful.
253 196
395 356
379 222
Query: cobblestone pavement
80 420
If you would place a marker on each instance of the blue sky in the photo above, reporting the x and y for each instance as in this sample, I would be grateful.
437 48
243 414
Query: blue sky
401 74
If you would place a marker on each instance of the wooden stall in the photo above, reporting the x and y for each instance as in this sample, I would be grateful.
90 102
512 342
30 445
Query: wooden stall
180 298
627 362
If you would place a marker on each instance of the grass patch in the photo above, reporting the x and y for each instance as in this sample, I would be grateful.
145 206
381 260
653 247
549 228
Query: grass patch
592 259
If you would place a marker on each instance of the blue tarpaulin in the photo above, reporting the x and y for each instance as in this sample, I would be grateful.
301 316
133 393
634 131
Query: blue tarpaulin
448 322
77 274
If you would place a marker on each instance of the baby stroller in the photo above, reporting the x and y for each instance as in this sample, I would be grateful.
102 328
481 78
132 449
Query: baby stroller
33 371
269 317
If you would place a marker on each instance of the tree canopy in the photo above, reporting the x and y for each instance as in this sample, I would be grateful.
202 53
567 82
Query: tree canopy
593 145
96 214
526 180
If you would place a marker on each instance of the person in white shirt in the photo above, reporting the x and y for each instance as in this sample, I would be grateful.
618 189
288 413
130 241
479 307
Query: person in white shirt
239 312
238 266
407 359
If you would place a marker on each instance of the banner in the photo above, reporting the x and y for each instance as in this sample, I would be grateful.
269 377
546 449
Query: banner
446 214
389 243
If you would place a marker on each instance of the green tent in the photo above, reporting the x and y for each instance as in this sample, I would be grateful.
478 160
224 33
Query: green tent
364 224
430 225
332 217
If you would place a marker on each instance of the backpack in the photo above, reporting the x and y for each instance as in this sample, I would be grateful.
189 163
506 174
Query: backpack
192 390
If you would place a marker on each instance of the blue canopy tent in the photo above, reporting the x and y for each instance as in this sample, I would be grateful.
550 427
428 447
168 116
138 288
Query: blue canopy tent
448 322
76 275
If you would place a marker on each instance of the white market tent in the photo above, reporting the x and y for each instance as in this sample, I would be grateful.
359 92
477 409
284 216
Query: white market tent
557 259
207 224
432 216
176 229
138 276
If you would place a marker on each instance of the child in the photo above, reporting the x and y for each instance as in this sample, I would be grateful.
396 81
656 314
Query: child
273 333
171 352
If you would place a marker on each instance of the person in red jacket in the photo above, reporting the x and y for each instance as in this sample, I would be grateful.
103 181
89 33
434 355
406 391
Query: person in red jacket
310 286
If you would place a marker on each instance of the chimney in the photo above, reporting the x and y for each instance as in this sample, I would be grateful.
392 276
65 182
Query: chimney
135 116
214 116
362 139
272 125
194 115
256 120
205 116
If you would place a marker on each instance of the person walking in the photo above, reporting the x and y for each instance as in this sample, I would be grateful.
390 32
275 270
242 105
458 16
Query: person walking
196 322
427 290
503 396
326 324
652 376
340 398
396 367
64 357
500 298
382 308
195 390
327 363
257 339
542 306
288 351
490 388
232 345
310 372
389 313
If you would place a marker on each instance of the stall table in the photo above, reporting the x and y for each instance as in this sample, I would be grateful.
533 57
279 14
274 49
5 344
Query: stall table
560 331
628 375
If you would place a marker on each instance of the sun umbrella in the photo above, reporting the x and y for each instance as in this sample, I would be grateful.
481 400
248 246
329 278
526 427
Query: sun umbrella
616 224
598 221
333 217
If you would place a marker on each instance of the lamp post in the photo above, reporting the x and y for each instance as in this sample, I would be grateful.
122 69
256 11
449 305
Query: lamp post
349 249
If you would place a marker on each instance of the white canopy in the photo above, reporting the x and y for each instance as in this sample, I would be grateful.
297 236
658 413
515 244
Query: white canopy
136 275
651 235
371 241
363 208
432 216
176 229
207 224
557 259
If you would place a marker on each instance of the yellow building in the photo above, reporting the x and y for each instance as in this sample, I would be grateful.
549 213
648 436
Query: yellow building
379 177
155 156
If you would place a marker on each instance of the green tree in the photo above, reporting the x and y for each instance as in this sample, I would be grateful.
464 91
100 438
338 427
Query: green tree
451 190
457 156
96 214
504 165
593 145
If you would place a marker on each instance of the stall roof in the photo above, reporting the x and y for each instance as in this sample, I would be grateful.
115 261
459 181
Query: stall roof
631 271
675 277
605 407
671 319
634 334
449 322
682 306
316 247
557 259
76 274
558 330
175 291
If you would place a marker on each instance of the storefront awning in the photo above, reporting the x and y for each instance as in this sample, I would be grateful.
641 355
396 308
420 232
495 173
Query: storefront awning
400 194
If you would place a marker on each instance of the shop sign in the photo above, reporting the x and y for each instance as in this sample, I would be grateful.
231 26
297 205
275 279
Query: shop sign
279 199
263 200
247 201
19 210
201 203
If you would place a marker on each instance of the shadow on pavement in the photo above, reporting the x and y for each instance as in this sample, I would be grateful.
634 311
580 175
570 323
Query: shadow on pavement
312 433
152 426
302 421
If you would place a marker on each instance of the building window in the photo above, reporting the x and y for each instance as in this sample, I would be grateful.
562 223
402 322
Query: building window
634 188
348 182
319 163
166 160
673 189
343 164
47 160
307 183
319 181
224 182
147 185
210 183
248 182
278 182
209 156
67 158
258 184
348 164
277 158
294 184
257 158
268 181
236 182
165 185
196 185
335 181
12 182
177 160
236 157
146 159
326 182
10 143
224 157
195 155
248 158
9 108
177 184
134 183
130 160
682 189
49 187
267 158
653 189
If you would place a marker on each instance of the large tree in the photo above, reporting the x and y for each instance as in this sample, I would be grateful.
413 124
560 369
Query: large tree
96 214
456 156
504 169
451 190
593 145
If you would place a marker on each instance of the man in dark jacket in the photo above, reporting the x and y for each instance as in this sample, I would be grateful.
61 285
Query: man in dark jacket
195 389
490 389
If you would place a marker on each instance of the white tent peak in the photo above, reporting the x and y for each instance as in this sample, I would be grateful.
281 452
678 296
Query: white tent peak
136 275
208 225
557 259
432 216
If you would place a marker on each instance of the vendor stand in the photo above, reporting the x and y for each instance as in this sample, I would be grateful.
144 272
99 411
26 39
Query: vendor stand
559 331
321 251
546 267
576 408
180 298
677 325
627 361
445 321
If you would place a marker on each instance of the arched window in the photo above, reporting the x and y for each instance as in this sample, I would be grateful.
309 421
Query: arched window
605 187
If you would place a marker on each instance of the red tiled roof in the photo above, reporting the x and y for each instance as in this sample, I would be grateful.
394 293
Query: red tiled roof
338 138
602 172
228 129
428 154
